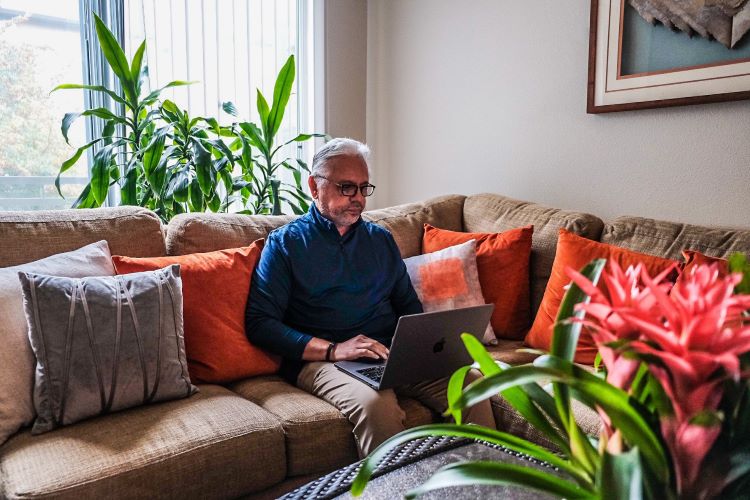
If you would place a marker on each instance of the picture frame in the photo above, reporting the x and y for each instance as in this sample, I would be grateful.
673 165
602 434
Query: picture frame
721 75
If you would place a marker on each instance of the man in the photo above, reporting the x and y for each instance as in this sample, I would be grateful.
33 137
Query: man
330 287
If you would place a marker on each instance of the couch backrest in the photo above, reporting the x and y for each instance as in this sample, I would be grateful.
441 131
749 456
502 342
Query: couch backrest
406 222
668 239
188 233
28 236
495 213
205 232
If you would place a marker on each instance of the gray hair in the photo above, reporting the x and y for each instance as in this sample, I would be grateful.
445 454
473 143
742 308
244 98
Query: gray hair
341 146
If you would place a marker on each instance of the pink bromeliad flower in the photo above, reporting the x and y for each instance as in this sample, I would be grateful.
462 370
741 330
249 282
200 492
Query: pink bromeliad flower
623 291
695 331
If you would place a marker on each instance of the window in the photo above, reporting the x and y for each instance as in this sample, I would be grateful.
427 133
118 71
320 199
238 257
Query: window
40 48
230 47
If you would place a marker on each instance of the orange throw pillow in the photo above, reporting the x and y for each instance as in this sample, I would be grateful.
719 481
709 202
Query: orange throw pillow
215 286
575 251
503 265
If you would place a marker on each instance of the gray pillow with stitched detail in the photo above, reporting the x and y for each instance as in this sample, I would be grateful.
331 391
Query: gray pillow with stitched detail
104 344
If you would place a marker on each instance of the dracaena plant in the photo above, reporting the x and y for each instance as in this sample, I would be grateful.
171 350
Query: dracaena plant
262 190
126 137
673 394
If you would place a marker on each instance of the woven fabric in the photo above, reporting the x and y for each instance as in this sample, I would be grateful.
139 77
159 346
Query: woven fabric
486 213
17 359
29 236
406 222
211 445
318 437
104 344
205 232
669 239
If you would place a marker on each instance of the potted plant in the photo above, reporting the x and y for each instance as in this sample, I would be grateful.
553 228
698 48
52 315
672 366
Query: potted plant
673 394
160 157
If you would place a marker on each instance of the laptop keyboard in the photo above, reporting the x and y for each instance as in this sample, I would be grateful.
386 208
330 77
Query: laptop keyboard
374 373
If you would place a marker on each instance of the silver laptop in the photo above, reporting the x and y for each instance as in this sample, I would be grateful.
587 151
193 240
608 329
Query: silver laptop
425 346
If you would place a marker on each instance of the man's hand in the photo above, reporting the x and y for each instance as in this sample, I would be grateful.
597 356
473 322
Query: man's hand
359 347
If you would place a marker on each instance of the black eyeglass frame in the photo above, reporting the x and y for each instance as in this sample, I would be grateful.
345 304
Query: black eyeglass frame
365 189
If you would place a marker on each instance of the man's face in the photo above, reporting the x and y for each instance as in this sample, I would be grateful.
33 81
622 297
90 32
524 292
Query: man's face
342 210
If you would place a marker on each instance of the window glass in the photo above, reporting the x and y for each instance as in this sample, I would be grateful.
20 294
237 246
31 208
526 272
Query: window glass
40 48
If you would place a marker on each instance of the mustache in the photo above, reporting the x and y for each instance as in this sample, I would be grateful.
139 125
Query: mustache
356 205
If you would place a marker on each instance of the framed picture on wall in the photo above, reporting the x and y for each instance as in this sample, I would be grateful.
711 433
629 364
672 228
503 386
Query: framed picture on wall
658 53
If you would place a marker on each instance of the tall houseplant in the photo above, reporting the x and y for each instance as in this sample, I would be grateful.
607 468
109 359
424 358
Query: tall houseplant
674 396
261 187
161 158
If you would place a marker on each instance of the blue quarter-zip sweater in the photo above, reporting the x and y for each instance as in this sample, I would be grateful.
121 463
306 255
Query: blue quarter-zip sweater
313 282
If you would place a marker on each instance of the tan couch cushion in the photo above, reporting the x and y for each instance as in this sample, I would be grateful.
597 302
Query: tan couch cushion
668 239
28 236
191 233
406 222
484 213
507 351
211 445
318 437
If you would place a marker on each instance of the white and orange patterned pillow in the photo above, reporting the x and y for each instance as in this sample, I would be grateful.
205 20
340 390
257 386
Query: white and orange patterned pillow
448 279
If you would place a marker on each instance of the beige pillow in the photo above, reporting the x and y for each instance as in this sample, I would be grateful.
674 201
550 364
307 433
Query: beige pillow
448 279
17 361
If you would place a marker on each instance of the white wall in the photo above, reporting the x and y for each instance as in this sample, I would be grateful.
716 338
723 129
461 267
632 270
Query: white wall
490 96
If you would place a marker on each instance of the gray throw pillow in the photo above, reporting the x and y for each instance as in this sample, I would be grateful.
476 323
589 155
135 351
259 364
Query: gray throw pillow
104 344
16 357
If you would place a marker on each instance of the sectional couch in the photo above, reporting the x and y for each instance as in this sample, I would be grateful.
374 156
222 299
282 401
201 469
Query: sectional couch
261 437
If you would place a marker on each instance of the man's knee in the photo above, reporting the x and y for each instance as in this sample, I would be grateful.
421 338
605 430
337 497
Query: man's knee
381 406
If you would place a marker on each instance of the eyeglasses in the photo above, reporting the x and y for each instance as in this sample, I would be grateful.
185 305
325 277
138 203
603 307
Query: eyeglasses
349 189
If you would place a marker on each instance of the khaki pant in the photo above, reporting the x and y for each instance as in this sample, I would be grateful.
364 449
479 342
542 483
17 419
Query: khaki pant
376 415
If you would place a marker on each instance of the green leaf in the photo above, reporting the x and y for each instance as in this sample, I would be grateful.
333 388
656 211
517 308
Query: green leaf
455 386
204 169
472 432
621 476
152 156
135 66
275 183
96 88
254 136
500 474
196 197
263 111
178 186
67 121
153 96
519 398
738 263
302 138
86 199
229 108
100 174
281 92
116 58
129 189
566 333
624 415
70 162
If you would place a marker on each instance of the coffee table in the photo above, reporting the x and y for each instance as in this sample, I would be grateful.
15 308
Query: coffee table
413 463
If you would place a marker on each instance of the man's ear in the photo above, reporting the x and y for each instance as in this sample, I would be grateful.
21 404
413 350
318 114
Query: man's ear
313 187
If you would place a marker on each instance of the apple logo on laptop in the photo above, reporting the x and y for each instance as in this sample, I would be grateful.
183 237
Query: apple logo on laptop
438 347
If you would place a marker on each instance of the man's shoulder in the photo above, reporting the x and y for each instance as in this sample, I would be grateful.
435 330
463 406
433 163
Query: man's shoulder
376 229
292 228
